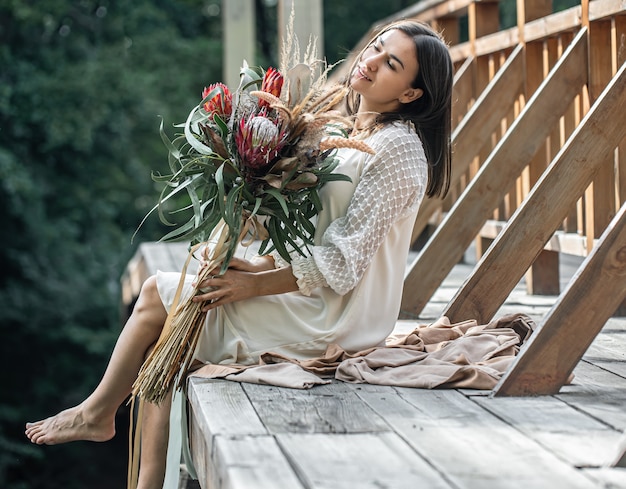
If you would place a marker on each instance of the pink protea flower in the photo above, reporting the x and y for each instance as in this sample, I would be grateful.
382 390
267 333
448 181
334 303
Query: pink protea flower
221 103
272 83
259 141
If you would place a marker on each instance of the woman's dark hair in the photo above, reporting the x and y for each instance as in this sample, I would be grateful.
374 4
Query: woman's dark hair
431 114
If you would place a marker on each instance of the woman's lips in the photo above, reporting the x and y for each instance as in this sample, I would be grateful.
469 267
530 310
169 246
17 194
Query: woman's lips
361 74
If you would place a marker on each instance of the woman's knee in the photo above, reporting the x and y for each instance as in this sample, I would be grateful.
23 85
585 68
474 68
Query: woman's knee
149 301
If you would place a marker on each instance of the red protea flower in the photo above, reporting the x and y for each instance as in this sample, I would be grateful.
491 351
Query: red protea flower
272 83
259 141
222 101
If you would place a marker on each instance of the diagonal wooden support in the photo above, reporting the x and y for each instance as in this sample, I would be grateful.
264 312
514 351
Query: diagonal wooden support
535 221
477 126
527 133
593 295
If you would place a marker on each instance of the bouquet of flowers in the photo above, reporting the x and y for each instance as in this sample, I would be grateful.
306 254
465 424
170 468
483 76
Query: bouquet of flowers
251 162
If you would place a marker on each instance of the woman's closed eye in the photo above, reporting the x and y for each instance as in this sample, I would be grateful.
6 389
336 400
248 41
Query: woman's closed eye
389 61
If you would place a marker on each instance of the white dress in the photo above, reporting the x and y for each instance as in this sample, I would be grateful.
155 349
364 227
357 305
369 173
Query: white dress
351 285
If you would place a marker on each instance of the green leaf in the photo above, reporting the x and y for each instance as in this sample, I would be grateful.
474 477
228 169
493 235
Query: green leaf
277 239
222 127
180 233
257 206
191 138
173 150
279 198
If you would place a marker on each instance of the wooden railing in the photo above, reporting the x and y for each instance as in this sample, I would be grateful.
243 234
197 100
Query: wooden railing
520 98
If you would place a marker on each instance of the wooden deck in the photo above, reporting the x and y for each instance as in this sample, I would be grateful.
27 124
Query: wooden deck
364 436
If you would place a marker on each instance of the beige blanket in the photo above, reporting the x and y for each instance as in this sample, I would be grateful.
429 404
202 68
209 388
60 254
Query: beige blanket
461 355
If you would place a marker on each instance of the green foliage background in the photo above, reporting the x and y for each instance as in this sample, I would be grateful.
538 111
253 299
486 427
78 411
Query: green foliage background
82 83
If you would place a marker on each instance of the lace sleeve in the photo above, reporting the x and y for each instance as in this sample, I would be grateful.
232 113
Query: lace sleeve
393 183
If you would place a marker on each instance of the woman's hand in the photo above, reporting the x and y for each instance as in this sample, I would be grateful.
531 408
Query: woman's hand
234 285
259 263
239 282
245 279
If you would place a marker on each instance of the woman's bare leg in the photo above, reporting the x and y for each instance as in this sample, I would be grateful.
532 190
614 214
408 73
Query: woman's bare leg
94 418
154 440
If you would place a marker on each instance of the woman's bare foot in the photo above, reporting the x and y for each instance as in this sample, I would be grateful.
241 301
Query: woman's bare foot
69 425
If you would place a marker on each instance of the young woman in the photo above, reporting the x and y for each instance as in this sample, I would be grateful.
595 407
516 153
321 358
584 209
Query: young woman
348 290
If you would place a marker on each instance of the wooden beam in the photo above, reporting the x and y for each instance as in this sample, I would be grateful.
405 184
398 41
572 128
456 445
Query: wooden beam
476 127
554 350
308 25
239 34
540 214
561 242
463 92
497 175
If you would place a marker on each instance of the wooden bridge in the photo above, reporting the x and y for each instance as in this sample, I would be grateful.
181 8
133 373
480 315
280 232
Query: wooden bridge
539 182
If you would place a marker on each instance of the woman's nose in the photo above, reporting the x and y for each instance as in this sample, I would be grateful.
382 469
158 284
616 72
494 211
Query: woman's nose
372 61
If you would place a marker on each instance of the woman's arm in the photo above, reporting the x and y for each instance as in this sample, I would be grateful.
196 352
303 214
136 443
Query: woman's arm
245 279
392 183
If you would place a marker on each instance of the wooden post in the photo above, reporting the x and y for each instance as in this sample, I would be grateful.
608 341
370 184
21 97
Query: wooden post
307 26
543 276
239 38
600 196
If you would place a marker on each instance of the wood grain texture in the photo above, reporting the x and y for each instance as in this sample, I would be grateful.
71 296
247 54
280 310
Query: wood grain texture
506 162
333 408
465 442
541 213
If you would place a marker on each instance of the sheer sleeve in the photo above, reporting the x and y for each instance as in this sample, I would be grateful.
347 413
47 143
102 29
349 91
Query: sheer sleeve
392 184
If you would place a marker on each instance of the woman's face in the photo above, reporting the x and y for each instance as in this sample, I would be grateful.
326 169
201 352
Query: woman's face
385 72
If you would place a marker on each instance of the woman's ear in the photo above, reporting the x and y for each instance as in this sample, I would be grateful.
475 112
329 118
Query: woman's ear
411 95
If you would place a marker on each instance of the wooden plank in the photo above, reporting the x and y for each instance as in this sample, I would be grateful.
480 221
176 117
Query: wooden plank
612 361
361 460
607 477
598 393
566 243
463 222
476 127
553 25
600 196
244 462
463 91
177 255
557 427
542 277
551 354
620 455
333 408
218 402
538 217
599 9
469 444
214 404
608 350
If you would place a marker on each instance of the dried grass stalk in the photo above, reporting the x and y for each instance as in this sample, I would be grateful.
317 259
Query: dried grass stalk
172 355
339 142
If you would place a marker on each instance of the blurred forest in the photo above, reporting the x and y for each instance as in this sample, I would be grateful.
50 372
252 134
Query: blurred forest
82 86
